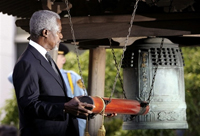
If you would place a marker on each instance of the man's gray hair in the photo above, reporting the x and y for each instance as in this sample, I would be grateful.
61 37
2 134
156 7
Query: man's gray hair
43 19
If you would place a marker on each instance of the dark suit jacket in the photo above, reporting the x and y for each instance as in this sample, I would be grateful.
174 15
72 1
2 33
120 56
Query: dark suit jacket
41 95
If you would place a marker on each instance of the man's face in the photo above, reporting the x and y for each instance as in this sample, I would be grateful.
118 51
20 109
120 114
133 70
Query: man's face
54 38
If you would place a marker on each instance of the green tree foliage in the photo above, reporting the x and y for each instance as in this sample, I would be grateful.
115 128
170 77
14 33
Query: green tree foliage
114 125
192 87
11 112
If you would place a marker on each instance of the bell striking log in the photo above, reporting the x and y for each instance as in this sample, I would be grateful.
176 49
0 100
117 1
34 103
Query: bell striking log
120 106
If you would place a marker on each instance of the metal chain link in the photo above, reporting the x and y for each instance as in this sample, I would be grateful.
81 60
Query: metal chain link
124 49
156 68
75 45
116 64
157 62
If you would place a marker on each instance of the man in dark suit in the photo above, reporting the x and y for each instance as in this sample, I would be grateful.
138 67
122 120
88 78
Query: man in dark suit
44 107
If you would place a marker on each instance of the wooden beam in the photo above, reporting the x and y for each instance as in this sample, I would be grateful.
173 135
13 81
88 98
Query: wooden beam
89 44
100 27
185 40
100 31
127 18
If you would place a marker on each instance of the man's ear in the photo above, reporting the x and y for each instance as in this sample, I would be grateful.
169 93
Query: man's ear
44 33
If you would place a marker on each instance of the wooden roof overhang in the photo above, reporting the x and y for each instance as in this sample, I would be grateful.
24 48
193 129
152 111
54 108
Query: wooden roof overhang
94 20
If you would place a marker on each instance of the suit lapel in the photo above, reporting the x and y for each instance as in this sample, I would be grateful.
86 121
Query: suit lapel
45 64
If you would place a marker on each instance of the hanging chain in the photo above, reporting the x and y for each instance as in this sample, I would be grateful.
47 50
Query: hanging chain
75 45
116 65
124 49
156 68
157 62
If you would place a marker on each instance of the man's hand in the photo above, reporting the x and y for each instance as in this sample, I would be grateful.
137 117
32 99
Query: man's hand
76 108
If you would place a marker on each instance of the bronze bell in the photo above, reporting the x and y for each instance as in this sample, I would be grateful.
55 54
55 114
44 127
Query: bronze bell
167 100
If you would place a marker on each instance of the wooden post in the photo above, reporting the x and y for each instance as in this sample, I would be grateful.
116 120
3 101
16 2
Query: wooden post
96 82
